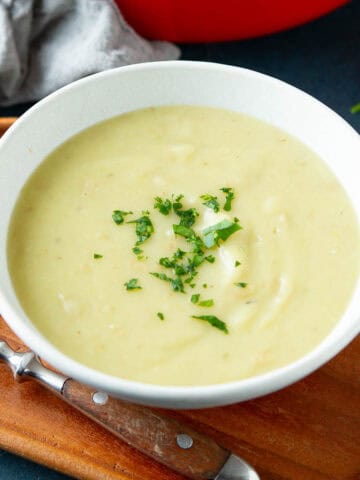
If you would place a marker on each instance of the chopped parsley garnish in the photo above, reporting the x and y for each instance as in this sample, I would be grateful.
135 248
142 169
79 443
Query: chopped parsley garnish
118 216
180 270
144 228
203 303
211 202
183 231
183 266
164 206
196 243
214 321
161 276
219 231
187 217
191 278
98 255
355 108
178 267
176 283
196 260
132 284
228 199
195 297
166 262
179 254
177 205
138 252
206 303
191 237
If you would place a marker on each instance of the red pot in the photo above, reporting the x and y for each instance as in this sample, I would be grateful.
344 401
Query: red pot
213 20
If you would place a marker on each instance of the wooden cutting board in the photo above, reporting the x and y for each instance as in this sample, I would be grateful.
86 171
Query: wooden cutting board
308 431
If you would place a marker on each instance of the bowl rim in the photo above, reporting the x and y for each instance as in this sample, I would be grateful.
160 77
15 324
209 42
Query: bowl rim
177 396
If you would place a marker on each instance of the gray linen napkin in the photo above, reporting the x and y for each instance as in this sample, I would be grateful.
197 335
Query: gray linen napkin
45 44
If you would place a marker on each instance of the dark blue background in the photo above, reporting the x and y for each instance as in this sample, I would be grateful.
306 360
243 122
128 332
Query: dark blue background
322 58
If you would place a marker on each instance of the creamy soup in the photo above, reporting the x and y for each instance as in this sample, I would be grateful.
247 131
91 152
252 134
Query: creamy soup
264 251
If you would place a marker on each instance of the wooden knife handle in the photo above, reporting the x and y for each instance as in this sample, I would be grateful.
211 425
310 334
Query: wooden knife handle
5 123
165 440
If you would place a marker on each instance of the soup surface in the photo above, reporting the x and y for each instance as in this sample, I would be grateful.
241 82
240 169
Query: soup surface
264 295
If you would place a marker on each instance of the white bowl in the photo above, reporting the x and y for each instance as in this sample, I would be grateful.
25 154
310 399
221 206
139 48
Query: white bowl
93 99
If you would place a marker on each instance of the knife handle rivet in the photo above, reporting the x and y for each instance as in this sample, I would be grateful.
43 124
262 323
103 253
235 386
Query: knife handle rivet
100 398
184 441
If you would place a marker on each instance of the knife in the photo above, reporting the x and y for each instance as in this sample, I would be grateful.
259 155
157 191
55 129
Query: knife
164 439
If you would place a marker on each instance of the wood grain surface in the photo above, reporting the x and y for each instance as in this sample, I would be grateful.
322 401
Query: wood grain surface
308 431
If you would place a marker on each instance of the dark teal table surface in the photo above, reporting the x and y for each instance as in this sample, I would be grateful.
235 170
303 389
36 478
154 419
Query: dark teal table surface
322 58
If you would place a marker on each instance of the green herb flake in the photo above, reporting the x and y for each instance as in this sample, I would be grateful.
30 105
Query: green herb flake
204 285
160 315
197 244
228 198
177 205
210 258
161 276
191 237
219 231
179 254
355 108
176 283
241 284
132 284
196 260
164 206
98 255
211 202
187 217
206 303
118 216
195 297
166 262
138 252
144 228
214 321
191 278
183 231
237 263
180 270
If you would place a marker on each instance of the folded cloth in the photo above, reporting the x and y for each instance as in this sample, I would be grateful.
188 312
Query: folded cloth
45 44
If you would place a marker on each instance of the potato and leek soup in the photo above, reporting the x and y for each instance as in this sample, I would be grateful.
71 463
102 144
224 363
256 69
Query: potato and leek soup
184 245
